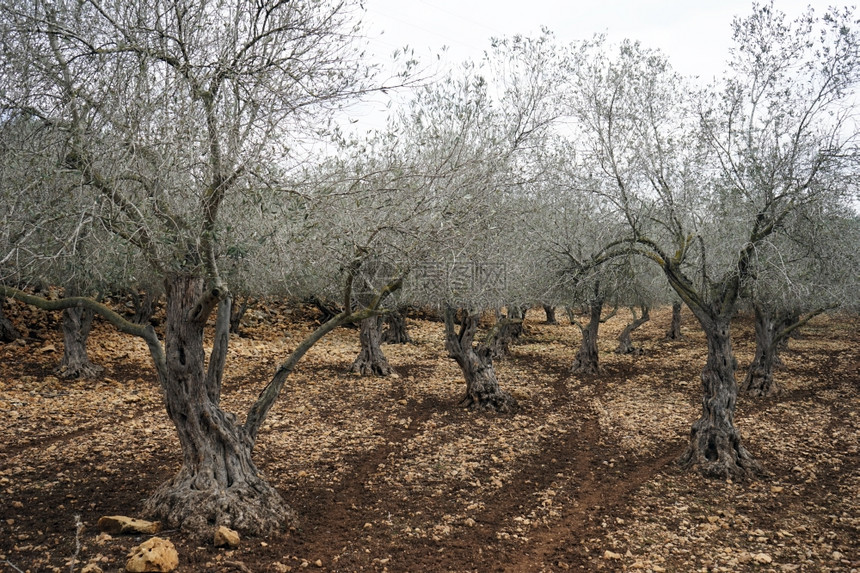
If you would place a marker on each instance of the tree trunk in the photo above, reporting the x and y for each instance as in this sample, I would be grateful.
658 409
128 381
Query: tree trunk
218 483
674 332
715 444
144 307
787 321
77 324
505 332
371 361
236 316
482 387
759 379
395 329
625 343
587 359
517 316
8 332
327 310
550 314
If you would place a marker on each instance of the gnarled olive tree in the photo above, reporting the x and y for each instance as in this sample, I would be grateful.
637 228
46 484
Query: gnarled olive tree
167 113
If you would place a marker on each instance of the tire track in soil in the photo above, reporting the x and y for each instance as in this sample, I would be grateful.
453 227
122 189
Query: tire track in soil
333 518
597 495
576 454
537 472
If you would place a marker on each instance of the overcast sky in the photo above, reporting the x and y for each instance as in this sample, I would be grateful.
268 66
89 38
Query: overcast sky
695 34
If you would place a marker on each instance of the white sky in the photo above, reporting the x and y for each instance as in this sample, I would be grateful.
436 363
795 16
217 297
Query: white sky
695 34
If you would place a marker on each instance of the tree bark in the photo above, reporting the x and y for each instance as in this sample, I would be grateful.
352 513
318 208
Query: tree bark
759 379
395 329
218 483
790 320
8 332
327 309
505 332
482 386
236 316
625 343
715 444
550 314
371 361
587 359
674 332
517 316
772 329
77 324
144 307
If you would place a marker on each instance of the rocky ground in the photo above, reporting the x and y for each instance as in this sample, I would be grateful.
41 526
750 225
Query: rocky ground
387 474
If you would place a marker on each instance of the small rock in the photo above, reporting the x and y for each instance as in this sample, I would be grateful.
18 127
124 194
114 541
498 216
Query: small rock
115 524
47 348
92 568
837 555
103 538
776 489
226 537
611 555
156 554
763 558
318 562
17 504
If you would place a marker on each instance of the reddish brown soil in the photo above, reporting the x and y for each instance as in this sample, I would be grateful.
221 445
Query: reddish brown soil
389 475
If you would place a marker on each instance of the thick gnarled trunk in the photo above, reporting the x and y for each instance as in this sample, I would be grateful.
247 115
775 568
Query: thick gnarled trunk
587 360
674 332
77 324
715 444
482 386
218 483
625 342
395 329
550 314
371 361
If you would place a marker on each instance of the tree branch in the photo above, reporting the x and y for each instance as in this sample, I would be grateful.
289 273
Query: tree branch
147 332
260 409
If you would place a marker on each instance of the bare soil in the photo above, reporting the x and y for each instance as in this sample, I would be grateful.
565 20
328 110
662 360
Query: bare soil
388 474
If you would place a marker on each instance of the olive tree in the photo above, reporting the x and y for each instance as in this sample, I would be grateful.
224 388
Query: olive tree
705 180
167 112
48 236
798 277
